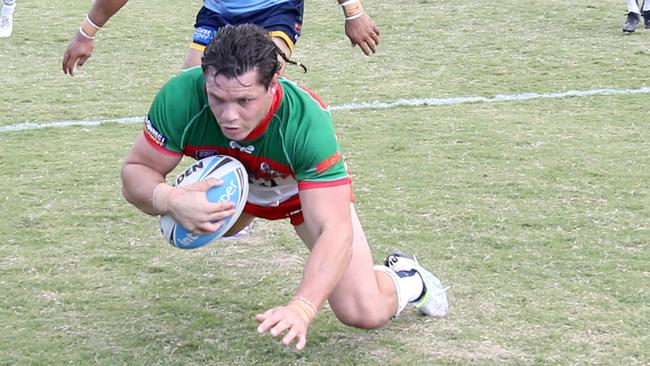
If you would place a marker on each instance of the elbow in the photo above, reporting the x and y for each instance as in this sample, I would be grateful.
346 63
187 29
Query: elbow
126 191
127 196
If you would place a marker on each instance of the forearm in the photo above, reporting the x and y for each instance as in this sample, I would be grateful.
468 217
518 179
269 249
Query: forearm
138 185
103 10
327 262
352 9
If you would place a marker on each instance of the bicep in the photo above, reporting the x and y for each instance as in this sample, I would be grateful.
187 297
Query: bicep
142 153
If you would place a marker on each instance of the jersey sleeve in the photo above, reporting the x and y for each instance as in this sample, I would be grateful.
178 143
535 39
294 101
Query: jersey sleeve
316 158
169 114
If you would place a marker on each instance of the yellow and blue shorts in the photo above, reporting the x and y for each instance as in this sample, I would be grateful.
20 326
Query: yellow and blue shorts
283 20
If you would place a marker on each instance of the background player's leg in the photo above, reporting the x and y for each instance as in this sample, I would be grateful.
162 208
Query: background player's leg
193 58
7 17
633 17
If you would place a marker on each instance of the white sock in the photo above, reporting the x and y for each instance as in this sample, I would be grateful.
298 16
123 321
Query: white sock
408 288
8 9
413 285
633 7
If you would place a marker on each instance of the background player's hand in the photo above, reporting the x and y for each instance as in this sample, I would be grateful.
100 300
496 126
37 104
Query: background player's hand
285 318
79 50
363 32
190 207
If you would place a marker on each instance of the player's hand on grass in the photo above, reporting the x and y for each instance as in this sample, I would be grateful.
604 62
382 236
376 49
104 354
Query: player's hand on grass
363 32
190 207
285 318
78 51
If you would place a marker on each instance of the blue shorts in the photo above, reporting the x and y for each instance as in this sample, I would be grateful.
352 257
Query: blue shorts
283 20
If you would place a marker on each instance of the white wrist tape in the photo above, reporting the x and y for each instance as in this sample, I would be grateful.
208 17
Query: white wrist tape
160 197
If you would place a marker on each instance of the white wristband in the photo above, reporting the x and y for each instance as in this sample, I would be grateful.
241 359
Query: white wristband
349 2
160 196
85 34
355 16
91 22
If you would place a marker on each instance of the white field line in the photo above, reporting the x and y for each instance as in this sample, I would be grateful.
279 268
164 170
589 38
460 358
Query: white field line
362 105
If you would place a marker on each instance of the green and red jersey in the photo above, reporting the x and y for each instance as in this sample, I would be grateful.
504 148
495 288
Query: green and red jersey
294 147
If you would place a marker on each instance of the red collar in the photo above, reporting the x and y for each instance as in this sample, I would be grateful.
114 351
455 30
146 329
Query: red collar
261 128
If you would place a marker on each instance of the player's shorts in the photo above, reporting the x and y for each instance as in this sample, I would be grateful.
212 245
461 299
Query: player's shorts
290 209
283 20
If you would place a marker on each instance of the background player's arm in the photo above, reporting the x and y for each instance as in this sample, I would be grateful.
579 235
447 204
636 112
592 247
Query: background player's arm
81 45
359 27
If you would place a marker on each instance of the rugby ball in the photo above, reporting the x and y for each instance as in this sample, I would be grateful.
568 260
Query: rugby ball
234 189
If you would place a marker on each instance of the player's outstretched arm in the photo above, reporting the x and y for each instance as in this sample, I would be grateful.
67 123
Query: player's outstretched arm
327 231
143 185
359 27
81 45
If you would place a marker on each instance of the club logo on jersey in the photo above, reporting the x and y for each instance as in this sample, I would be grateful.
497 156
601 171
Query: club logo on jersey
266 172
247 149
201 154
153 133
203 35
266 176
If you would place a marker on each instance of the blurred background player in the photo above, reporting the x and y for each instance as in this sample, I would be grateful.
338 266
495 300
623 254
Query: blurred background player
7 18
281 18
634 16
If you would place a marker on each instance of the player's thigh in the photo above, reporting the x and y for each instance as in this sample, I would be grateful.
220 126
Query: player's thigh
282 21
282 45
243 221
193 58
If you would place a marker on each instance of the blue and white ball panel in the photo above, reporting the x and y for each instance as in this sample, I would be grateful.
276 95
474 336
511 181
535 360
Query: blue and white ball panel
234 189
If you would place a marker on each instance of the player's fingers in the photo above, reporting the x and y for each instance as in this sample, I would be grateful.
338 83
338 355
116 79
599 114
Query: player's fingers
204 185
81 61
64 63
302 341
221 214
372 46
207 227
262 317
69 66
267 323
213 182
364 47
70 69
375 37
279 327
291 335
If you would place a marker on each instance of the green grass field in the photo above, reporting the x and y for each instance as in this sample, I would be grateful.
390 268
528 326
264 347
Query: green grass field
536 212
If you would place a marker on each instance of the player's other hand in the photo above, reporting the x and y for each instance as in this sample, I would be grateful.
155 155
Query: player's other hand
190 207
363 32
79 50
285 318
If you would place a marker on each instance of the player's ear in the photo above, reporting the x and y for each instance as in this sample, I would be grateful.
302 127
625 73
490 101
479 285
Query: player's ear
273 86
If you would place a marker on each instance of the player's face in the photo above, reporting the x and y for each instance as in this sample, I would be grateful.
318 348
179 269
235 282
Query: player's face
239 104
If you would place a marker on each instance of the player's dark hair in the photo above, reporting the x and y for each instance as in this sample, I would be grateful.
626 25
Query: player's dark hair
237 49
